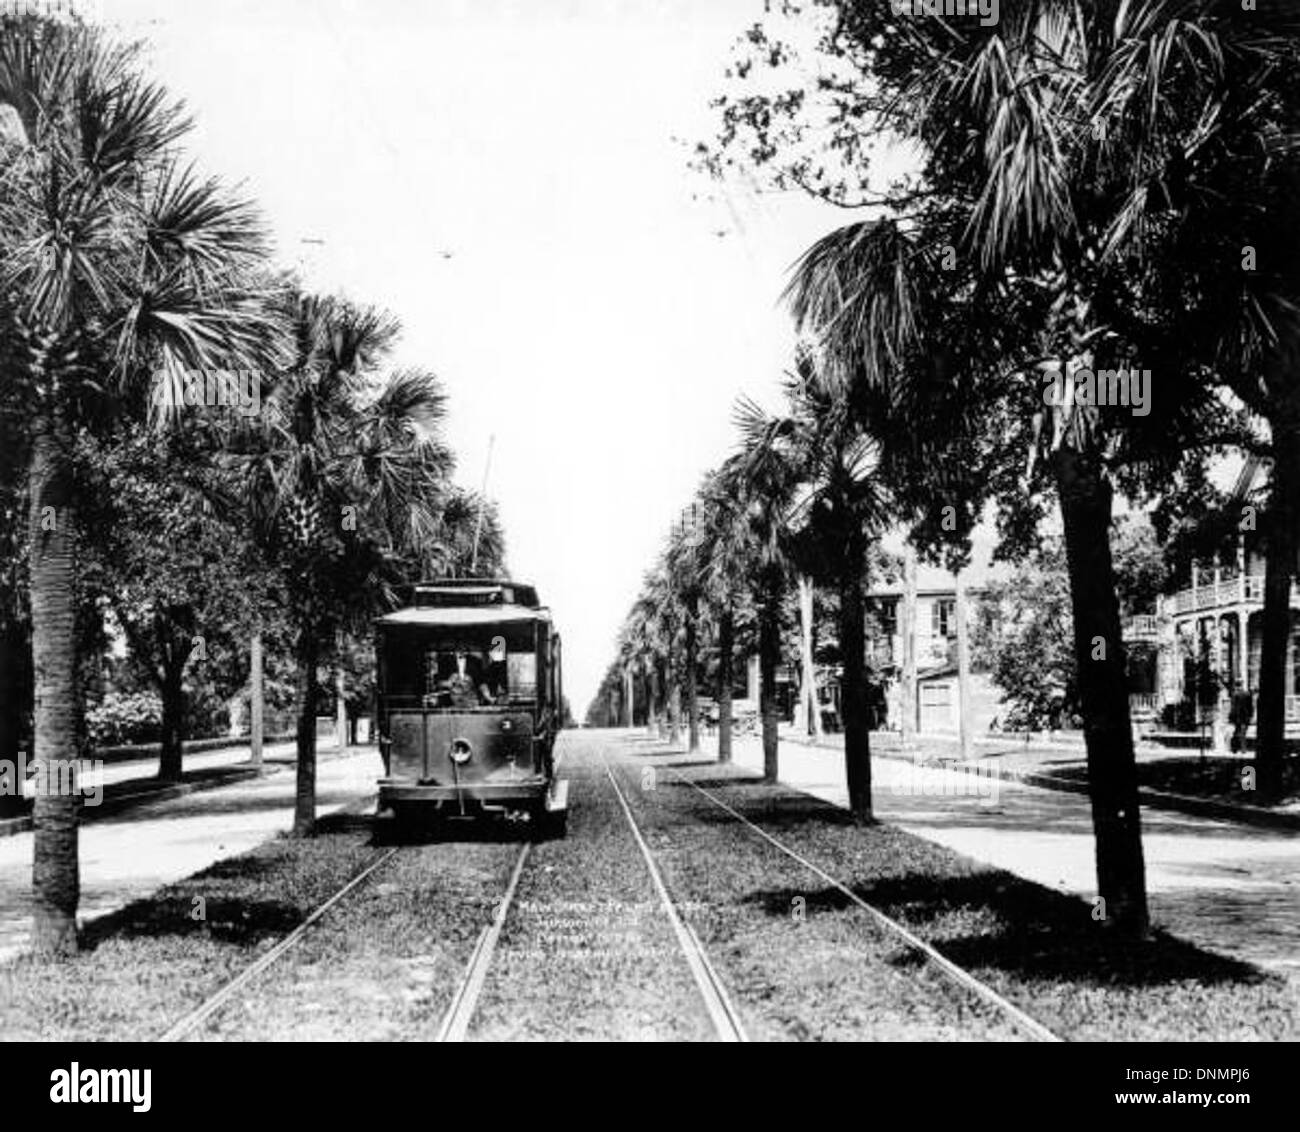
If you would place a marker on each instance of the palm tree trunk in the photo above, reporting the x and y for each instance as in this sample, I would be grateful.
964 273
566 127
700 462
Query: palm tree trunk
692 692
648 691
1279 569
173 717
726 677
1103 688
12 710
304 813
769 656
674 705
56 881
661 696
808 671
629 698
853 647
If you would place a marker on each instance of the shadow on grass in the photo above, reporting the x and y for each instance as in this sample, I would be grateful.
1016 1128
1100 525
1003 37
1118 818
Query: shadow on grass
1033 933
216 803
191 907
225 918
728 780
773 812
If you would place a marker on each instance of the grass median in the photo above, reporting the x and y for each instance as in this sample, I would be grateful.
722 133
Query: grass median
1041 949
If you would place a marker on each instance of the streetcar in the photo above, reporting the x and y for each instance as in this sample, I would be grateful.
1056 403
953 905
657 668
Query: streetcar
468 704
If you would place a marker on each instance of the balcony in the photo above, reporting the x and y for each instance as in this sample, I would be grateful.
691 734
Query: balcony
1244 589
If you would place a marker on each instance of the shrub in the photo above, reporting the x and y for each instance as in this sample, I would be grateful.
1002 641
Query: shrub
134 717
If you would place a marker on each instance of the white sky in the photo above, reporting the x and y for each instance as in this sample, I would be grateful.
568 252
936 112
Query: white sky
503 177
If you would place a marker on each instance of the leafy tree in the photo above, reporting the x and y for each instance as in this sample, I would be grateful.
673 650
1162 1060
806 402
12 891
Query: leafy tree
1023 637
1023 632
181 579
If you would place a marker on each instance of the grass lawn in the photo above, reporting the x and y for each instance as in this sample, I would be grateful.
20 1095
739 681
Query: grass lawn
1039 948
141 968
799 959
1210 777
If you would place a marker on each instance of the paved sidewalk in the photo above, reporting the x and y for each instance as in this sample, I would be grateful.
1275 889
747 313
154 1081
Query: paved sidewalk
129 855
1064 767
1226 887
119 786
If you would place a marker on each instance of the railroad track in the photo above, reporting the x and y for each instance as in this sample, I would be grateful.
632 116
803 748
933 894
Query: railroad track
200 1015
455 1023
726 1020
957 975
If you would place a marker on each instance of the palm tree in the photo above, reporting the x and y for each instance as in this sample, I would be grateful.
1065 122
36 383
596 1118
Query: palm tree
763 491
1060 145
117 265
639 647
723 537
345 476
453 553
664 628
688 568
836 505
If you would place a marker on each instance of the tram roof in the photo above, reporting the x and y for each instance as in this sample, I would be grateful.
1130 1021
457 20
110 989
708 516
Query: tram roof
464 616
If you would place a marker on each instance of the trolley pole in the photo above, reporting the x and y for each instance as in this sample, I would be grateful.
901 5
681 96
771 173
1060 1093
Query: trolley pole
482 503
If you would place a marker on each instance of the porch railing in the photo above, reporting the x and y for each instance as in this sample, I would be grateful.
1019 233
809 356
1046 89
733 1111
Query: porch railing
1245 589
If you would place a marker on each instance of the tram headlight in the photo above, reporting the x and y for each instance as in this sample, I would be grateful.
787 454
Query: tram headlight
460 751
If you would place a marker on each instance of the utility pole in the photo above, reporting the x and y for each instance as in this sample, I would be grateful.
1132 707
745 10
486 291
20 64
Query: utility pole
908 697
963 674
257 700
692 647
340 704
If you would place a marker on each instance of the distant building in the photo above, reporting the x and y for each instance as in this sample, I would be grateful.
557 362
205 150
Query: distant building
937 705
1213 621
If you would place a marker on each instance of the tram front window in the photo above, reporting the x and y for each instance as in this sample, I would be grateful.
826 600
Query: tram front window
466 674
